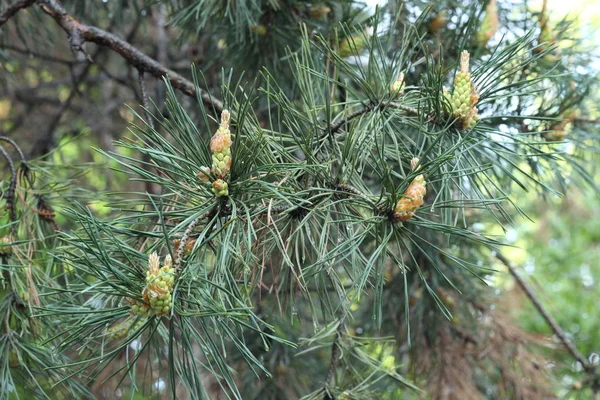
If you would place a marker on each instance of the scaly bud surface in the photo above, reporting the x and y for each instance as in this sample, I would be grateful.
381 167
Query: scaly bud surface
464 97
159 284
220 146
413 196
187 248
220 188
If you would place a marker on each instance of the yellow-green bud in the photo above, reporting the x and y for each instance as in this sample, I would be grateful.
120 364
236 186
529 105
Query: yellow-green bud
159 284
318 11
139 308
259 29
349 45
413 196
464 97
490 23
220 146
124 328
397 87
5 245
220 188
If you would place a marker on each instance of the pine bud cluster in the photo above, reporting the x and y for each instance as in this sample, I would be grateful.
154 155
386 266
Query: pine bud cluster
220 188
220 145
412 198
157 294
464 97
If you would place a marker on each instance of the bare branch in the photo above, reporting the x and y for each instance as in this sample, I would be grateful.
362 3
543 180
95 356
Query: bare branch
35 54
80 33
13 9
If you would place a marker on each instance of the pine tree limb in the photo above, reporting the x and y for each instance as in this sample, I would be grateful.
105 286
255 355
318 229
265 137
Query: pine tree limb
14 8
79 33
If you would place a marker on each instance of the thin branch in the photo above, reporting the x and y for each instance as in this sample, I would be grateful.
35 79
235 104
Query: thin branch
370 107
399 106
36 54
145 101
338 125
45 144
80 33
335 355
13 9
547 317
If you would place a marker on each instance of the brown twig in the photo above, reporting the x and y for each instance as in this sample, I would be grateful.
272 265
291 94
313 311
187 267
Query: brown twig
13 9
79 33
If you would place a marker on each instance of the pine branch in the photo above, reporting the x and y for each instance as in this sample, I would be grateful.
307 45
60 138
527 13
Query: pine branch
14 8
79 33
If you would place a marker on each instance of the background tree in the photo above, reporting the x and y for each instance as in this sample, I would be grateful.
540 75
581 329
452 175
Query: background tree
297 215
